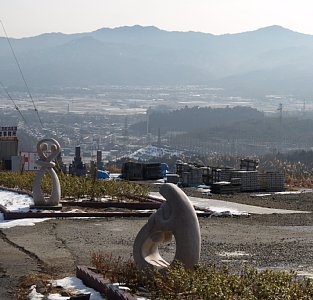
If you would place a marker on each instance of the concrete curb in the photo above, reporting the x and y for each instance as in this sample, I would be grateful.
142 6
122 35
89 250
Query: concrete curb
144 205
101 285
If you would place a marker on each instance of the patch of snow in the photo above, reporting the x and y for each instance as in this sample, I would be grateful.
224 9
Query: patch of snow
115 175
150 151
68 283
124 288
78 285
20 222
234 254
204 189
16 202
307 191
222 182
57 297
33 295
305 274
121 286
203 186
260 195
284 193
294 192
228 213
156 195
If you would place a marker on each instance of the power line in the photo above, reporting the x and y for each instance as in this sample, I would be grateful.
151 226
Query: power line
20 69
15 105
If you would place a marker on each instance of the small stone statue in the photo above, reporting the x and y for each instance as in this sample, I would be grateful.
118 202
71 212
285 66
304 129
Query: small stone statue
175 217
46 163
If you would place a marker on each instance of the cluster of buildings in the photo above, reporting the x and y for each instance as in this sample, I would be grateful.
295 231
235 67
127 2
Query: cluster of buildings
8 146
222 180
12 159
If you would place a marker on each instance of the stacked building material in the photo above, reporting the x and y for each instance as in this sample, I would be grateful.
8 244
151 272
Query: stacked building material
249 180
247 164
235 181
213 174
141 171
226 174
181 168
152 171
272 181
216 174
262 182
207 175
172 178
236 184
224 187
193 177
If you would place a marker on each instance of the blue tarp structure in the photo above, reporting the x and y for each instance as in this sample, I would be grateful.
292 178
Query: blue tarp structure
103 174
164 169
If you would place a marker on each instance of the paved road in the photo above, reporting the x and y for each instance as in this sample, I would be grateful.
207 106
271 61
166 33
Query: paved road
220 205
58 245
276 238
236 208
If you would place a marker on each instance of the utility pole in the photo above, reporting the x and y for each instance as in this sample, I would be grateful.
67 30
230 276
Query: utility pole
148 120
126 130
303 108
159 137
280 109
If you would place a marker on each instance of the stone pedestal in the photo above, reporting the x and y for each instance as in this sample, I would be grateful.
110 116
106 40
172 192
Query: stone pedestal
46 207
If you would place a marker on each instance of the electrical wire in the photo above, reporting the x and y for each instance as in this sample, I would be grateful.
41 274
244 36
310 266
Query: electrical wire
15 105
20 69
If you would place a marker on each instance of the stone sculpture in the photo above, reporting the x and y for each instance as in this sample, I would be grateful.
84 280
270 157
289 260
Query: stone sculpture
175 217
46 165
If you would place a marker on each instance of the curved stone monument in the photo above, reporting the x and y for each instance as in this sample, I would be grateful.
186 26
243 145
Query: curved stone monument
46 165
175 217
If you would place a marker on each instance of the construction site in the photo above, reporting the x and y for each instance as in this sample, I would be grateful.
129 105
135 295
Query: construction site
230 180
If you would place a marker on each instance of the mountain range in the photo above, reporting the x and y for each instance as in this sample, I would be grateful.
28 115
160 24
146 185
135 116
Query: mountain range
270 60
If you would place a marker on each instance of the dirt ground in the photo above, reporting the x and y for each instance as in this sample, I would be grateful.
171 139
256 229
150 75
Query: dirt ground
56 246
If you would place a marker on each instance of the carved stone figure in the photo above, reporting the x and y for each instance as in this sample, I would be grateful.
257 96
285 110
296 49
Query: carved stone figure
46 163
175 217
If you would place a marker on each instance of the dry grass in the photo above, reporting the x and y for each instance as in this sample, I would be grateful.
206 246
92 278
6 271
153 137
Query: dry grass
42 281
204 282
26 282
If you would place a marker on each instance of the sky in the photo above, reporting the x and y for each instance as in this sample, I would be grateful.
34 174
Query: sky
23 18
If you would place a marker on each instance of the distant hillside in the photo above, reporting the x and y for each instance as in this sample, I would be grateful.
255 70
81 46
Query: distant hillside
194 118
268 60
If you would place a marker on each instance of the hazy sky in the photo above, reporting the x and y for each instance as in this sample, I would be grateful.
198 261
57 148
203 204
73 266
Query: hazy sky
32 17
